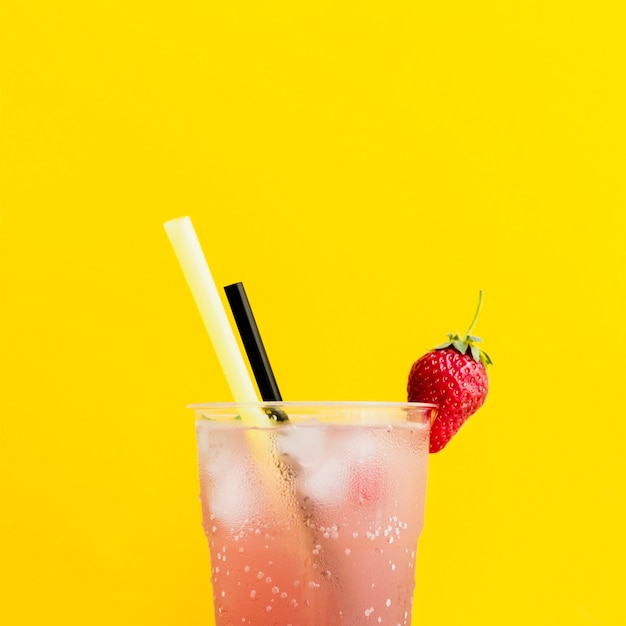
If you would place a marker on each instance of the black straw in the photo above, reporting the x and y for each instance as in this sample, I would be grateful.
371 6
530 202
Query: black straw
252 342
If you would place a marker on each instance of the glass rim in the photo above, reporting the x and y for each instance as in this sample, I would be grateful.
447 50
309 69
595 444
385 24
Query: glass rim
375 404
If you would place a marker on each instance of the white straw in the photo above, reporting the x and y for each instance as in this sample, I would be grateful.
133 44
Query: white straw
196 270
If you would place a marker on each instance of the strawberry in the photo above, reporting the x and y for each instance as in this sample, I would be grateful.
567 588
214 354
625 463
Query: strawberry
453 376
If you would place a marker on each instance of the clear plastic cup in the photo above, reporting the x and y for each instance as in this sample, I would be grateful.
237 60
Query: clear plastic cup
313 521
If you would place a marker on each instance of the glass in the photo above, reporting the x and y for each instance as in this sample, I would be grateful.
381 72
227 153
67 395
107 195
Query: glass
313 521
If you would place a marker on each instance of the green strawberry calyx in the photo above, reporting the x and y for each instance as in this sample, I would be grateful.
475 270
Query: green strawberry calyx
468 342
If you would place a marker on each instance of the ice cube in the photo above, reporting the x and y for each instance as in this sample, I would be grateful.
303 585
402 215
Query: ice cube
229 485
304 445
232 498
348 470
325 482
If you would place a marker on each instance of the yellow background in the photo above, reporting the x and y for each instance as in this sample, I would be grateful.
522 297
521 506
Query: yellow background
364 168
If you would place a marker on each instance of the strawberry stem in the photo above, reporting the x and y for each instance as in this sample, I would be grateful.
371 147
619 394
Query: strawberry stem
480 305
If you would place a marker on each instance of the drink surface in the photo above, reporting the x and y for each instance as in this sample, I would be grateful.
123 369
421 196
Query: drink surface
320 529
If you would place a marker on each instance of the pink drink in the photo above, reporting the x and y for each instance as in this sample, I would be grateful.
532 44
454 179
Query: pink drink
314 521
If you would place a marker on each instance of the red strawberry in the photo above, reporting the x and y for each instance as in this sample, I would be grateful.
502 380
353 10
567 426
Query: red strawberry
453 376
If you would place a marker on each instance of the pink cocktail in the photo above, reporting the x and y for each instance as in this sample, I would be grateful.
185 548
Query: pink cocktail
313 521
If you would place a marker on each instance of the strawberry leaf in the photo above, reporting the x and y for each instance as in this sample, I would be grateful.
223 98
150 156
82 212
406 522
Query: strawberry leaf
461 346
485 358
